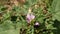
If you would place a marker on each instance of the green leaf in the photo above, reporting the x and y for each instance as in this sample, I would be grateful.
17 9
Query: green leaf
56 9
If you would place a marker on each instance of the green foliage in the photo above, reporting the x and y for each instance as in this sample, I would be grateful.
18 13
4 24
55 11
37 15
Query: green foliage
49 23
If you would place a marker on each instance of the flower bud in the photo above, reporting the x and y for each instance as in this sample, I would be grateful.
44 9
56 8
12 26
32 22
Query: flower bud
36 25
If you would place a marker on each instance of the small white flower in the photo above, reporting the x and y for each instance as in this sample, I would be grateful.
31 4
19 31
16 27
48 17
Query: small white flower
37 23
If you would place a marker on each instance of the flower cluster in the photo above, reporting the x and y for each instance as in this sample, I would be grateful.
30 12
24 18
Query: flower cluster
29 17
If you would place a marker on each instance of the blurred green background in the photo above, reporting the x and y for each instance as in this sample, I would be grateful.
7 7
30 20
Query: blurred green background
13 16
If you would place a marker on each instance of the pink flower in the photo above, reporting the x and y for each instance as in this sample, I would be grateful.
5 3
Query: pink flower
30 17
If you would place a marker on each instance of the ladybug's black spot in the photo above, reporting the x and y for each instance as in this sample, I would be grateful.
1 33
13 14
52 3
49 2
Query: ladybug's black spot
13 18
